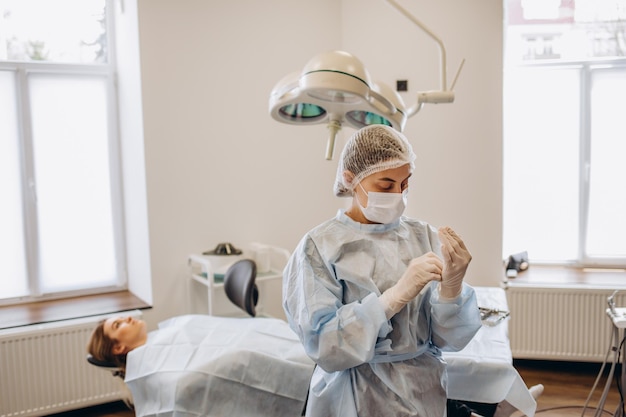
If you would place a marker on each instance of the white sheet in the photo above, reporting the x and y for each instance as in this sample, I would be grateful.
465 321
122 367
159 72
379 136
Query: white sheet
483 371
200 365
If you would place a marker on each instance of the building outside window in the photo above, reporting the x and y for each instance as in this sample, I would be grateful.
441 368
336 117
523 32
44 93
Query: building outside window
60 219
564 135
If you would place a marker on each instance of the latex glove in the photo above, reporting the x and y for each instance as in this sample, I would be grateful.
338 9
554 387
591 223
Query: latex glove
456 259
420 272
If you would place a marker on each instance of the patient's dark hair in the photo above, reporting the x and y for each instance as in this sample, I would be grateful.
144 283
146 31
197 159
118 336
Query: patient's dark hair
100 347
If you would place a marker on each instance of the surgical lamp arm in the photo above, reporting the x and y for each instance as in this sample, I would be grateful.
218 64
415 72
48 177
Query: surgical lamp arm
444 95
334 126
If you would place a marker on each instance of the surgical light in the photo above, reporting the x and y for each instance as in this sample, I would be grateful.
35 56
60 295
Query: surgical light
334 88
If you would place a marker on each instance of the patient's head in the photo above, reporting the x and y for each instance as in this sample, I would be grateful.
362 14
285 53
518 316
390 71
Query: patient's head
113 338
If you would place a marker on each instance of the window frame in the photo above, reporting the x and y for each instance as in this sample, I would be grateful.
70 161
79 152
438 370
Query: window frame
586 68
21 71
589 68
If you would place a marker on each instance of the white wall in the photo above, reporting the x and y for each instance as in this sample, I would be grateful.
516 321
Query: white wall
218 168
458 176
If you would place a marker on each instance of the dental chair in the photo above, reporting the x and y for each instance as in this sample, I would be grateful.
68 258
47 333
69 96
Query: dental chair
242 365
108 366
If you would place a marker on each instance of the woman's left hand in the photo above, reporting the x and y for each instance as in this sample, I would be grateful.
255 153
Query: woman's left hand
456 259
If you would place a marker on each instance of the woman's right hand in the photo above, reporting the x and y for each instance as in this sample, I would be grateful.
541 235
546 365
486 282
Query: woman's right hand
420 272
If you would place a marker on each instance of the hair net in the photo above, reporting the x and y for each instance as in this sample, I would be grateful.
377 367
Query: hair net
371 149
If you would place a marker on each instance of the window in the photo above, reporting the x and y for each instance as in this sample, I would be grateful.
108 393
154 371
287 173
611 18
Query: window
61 216
564 138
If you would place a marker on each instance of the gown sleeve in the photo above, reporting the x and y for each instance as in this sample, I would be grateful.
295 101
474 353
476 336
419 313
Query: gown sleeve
334 335
454 322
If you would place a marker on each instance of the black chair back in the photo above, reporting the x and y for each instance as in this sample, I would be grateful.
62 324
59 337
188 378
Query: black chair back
240 286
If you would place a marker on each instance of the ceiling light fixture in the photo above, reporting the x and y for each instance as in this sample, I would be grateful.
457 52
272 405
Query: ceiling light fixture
335 88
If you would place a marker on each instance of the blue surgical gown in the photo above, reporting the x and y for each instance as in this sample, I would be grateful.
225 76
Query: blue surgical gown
368 365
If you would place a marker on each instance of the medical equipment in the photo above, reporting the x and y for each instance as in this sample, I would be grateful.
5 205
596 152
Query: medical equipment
222 257
491 316
516 263
617 314
335 88
617 346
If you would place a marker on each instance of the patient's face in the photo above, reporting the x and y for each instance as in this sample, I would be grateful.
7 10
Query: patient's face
127 331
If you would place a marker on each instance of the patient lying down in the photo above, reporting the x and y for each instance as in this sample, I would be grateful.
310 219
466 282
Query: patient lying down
199 365
216 366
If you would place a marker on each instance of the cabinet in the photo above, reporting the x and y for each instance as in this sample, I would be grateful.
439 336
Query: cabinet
207 278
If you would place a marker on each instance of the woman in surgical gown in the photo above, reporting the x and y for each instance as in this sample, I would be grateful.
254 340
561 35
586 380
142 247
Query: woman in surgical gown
375 296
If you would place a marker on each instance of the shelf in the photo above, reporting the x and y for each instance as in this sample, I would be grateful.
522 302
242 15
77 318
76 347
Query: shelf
217 284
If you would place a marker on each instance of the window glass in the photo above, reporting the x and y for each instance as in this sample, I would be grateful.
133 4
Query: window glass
606 233
14 281
563 142
541 163
61 225
71 161
55 31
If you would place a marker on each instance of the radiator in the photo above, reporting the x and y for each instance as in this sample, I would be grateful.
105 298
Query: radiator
565 324
43 369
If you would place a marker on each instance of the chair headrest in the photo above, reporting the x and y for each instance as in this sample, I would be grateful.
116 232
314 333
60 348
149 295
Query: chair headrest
240 287
109 366
102 364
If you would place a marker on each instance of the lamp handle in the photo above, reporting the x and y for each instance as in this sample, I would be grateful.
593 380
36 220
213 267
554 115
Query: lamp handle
389 107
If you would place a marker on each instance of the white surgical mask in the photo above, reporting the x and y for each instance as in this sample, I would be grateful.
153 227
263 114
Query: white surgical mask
383 207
